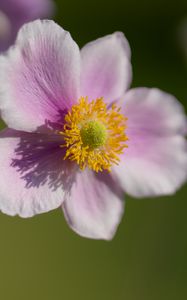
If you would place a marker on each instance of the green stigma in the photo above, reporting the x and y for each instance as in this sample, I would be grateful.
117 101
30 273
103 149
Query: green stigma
93 134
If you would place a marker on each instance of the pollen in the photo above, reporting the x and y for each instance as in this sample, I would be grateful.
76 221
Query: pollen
94 135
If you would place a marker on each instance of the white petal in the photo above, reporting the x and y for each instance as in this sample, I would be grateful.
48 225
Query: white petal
39 76
34 177
155 162
106 68
94 207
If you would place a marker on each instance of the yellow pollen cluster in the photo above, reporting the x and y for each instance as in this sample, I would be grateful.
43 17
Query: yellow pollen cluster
94 136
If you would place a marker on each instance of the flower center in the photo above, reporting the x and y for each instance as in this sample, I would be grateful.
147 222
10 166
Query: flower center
94 136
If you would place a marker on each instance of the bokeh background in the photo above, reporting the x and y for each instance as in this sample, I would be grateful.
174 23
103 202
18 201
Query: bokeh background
41 258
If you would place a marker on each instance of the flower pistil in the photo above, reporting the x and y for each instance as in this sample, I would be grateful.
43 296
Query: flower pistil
94 135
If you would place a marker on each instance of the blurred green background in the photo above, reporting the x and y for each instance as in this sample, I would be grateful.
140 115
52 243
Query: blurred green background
41 258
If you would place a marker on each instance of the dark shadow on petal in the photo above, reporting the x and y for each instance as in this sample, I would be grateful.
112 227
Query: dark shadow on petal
106 178
39 158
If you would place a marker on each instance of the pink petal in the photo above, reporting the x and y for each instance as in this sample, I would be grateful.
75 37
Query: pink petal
15 13
155 163
34 177
39 76
106 68
27 10
34 9
94 207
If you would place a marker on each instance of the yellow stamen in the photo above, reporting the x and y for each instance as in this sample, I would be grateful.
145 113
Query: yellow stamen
94 136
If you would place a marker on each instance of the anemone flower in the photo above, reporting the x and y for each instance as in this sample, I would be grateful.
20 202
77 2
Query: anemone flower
76 138
14 13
